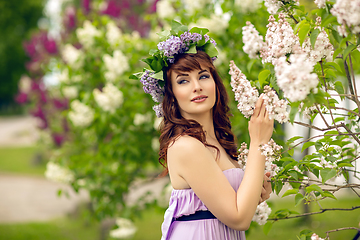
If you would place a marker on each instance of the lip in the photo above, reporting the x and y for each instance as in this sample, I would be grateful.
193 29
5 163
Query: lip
199 98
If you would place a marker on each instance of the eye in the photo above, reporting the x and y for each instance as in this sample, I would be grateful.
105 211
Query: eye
182 81
204 76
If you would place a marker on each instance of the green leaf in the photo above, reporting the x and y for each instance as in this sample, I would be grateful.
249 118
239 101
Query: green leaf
348 50
313 37
318 145
313 187
306 232
336 53
177 27
294 175
267 227
306 145
153 51
328 20
137 76
201 31
59 192
334 65
327 173
336 36
192 49
278 186
298 198
291 152
159 75
263 75
164 35
210 49
294 110
303 32
290 192
328 194
293 139
250 64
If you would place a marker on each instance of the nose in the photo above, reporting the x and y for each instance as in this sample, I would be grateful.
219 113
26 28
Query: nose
197 86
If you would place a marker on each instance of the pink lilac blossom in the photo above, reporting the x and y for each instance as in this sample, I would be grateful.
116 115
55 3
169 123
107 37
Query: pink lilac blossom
262 213
253 41
245 94
322 48
158 110
279 39
347 13
296 78
275 107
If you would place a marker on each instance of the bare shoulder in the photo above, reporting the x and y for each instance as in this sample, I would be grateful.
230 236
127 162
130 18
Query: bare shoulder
186 151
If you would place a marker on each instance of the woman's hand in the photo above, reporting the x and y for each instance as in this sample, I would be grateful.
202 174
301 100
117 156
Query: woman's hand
266 190
260 126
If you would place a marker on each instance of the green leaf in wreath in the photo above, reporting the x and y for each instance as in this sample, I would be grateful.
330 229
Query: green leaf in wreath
210 49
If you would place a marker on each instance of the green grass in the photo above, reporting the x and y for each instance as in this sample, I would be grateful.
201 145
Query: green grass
59 229
20 160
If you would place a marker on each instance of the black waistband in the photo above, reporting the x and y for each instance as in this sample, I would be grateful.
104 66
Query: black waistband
199 215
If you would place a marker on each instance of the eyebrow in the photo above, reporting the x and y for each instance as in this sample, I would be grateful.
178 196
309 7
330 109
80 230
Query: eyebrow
184 74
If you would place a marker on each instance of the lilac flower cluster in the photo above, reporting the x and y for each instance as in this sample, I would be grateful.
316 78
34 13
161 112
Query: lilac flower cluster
271 151
274 106
262 213
152 87
176 45
158 110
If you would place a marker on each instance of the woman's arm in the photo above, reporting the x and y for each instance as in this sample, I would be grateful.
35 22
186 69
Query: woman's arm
190 159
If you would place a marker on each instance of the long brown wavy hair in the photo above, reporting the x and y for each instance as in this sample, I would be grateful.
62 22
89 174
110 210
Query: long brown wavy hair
174 125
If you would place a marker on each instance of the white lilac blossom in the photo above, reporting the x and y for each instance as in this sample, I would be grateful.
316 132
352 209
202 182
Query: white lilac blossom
296 78
314 236
152 87
57 173
80 115
70 92
116 65
271 151
262 213
113 34
126 229
109 99
245 94
63 76
347 13
243 153
275 107
140 119
279 39
322 48
193 6
247 6
87 34
72 56
164 9
320 3
273 6
307 111
155 144
216 24
157 123
253 41
25 84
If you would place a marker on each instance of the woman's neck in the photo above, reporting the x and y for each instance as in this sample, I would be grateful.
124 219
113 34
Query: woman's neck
207 123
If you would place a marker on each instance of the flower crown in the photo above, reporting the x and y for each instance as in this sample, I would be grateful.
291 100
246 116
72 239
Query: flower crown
176 41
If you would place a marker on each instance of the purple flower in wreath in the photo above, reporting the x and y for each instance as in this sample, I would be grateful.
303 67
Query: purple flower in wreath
151 86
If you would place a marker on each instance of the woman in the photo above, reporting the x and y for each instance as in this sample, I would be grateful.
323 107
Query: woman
212 197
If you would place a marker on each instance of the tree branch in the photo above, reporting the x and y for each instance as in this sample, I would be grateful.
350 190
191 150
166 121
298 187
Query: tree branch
313 213
353 78
353 112
351 133
340 229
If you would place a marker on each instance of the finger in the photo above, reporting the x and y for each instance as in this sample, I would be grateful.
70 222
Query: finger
258 106
262 110
267 175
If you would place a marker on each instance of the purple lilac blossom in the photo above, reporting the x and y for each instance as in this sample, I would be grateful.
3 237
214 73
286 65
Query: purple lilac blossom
189 38
152 87
158 110
171 46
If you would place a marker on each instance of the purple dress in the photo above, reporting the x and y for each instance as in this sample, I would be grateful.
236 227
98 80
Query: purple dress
185 202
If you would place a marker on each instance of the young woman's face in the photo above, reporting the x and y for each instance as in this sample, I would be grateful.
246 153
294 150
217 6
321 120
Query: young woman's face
194 91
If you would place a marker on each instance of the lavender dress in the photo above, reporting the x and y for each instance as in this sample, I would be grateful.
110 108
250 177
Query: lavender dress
185 202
